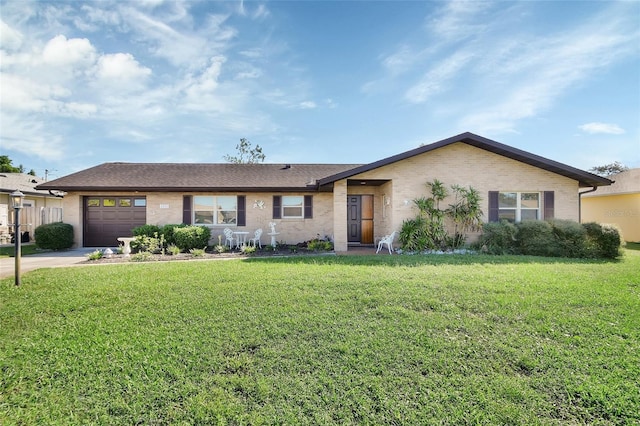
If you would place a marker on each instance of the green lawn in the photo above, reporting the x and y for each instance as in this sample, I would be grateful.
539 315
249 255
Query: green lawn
324 340
25 250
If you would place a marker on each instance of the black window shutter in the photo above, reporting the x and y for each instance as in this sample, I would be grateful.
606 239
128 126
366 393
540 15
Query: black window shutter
242 211
277 207
549 201
308 206
186 209
494 206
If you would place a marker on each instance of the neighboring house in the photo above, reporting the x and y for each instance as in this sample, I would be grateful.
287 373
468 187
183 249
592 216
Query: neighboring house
40 206
618 204
352 204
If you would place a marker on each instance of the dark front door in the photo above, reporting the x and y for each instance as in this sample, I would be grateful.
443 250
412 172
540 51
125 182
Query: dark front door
107 218
360 219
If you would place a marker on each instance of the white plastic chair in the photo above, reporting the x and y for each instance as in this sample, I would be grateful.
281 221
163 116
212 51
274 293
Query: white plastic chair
228 234
256 238
388 240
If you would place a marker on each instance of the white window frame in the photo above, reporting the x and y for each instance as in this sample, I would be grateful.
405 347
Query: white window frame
519 208
216 209
290 202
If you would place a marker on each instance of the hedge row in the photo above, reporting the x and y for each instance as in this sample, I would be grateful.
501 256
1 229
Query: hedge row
555 238
186 237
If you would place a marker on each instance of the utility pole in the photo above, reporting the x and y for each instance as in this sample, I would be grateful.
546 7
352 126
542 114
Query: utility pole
46 174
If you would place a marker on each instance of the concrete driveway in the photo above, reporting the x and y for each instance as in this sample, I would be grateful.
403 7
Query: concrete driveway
51 259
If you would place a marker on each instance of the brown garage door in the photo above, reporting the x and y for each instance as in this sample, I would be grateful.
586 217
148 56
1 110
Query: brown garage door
107 218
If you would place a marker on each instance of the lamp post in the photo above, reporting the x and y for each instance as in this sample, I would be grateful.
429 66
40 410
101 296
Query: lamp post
16 203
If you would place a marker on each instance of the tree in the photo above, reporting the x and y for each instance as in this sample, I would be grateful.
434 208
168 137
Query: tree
247 154
609 169
6 166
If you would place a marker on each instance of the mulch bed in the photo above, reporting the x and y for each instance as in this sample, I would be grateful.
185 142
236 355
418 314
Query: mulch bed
120 258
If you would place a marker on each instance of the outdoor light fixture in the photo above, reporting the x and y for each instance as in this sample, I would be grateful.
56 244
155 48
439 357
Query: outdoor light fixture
16 202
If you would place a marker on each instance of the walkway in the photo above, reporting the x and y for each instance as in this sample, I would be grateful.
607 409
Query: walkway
50 259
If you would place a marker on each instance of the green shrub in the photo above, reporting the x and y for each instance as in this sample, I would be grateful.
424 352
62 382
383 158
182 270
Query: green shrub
556 238
570 238
143 256
414 235
147 230
603 241
320 245
95 255
54 236
246 249
498 238
197 252
535 238
190 237
153 244
168 231
173 249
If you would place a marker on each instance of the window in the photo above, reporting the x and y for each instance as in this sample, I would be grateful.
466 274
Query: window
221 210
140 202
292 206
124 202
109 202
519 206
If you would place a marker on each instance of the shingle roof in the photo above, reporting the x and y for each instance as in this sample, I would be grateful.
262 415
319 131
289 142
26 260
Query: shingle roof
22 182
585 179
197 177
276 177
627 182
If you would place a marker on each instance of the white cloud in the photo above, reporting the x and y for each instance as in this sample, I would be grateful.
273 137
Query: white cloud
459 19
121 71
307 105
400 61
261 12
10 38
438 78
527 81
607 128
30 136
63 52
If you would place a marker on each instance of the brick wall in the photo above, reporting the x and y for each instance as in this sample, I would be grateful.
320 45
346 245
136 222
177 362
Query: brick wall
464 165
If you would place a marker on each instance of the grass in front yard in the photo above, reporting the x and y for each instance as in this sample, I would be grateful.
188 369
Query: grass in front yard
325 340
25 250
632 246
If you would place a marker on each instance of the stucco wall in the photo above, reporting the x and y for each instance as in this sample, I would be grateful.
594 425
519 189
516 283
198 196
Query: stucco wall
622 211
464 165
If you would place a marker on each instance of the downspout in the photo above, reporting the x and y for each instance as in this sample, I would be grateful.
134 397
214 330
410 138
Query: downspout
593 189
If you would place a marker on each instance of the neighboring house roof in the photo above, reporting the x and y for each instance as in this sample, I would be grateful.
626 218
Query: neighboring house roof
276 177
585 179
627 182
9 182
197 177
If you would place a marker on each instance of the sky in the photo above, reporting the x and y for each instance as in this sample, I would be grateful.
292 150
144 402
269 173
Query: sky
83 83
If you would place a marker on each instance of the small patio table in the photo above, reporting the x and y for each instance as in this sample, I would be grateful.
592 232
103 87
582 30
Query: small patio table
241 238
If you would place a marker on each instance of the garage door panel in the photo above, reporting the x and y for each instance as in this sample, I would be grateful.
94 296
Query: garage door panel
110 218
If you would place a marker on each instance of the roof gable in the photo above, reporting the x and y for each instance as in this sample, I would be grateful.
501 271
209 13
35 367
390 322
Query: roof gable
585 179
